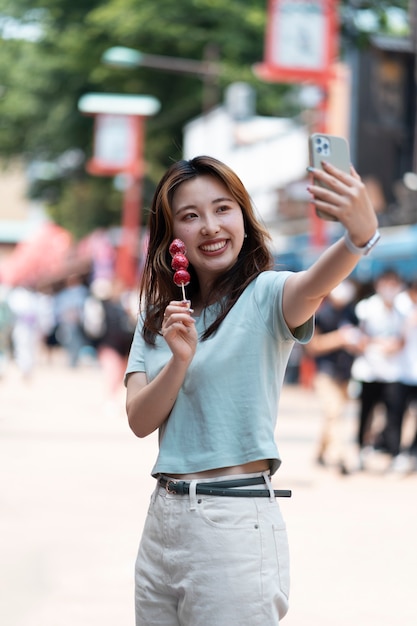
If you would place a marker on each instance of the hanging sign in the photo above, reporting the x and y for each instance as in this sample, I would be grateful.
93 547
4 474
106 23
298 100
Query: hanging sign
115 144
301 41
118 131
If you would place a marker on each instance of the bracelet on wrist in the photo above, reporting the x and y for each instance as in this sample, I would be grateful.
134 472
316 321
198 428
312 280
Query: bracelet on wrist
363 250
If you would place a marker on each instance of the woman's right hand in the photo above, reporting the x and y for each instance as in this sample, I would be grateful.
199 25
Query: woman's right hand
179 331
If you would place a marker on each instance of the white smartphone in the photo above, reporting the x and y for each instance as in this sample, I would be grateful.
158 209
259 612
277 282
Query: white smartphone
334 150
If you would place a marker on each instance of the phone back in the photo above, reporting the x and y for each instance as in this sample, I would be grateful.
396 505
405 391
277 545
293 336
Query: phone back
334 150
330 148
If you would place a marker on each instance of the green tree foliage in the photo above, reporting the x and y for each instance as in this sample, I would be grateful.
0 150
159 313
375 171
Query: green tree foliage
42 80
87 204
43 76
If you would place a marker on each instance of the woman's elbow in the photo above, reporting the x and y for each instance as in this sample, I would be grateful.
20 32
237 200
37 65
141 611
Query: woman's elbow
138 426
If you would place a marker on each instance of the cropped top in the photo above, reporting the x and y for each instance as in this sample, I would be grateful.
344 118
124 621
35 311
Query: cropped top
226 410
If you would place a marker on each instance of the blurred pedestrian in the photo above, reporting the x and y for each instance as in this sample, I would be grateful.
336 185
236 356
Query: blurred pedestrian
6 326
69 307
109 323
47 320
335 342
23 303
407 303
378 369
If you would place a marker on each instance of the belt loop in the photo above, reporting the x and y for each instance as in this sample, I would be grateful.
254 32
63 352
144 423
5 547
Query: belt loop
193 495
269 485
155 492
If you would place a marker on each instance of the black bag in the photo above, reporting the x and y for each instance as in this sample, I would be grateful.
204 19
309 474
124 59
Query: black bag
119 329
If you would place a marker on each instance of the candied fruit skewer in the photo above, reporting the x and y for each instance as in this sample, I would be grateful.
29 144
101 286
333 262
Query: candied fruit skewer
179 264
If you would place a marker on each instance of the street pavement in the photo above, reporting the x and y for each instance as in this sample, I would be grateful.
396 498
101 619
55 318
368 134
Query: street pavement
75 486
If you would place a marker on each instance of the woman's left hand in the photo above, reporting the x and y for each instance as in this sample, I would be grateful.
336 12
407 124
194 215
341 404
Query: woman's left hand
345 198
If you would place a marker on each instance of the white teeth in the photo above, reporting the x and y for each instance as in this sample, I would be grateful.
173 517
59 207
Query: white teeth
214 246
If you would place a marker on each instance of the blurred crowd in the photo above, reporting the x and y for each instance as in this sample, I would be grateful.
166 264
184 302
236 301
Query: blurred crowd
92 322
365 348
364 352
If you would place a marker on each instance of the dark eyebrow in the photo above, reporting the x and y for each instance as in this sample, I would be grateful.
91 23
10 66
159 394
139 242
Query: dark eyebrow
225 199
193 206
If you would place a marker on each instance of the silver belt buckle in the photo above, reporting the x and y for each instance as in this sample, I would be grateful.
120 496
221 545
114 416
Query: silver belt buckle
167 488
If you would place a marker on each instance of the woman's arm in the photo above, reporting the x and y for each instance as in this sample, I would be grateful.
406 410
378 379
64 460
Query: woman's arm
346 199
149 404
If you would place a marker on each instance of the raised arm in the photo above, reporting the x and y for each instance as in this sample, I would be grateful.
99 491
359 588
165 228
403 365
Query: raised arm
346 199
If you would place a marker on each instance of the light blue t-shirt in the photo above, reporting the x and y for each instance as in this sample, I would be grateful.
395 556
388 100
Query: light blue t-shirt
226 410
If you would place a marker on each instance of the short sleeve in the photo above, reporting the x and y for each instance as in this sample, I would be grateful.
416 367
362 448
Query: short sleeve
136 361
269 296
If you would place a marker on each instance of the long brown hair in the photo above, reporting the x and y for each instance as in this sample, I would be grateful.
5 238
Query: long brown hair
157 287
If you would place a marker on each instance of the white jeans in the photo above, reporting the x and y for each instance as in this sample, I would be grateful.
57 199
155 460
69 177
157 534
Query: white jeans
212 561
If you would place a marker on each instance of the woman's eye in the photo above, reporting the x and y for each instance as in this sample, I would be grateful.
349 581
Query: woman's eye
188 216
223 208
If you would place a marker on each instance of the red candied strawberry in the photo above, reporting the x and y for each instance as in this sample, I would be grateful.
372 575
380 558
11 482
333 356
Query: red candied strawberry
177 247
181 277
179 262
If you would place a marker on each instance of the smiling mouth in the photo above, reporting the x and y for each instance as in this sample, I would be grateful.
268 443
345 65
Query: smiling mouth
214 247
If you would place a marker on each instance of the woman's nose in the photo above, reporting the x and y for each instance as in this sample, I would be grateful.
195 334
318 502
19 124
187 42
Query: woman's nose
210 226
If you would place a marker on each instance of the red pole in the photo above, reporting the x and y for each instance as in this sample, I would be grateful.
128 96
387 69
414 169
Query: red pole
127 256
317 225
126 260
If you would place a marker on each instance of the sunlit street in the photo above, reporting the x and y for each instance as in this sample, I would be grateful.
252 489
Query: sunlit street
74 496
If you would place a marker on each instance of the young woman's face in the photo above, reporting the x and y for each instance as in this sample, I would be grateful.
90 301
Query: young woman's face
210 223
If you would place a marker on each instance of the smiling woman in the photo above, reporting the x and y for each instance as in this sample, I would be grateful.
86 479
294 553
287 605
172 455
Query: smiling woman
177 208
210 222
216 416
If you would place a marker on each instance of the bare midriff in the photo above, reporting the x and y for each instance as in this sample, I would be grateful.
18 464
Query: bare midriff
246 468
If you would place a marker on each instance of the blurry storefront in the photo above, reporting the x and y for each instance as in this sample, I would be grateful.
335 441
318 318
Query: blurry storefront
384 118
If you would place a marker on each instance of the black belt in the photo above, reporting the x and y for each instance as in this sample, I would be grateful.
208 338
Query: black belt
223 488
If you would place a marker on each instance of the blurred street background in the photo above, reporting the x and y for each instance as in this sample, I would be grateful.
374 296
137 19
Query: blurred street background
75 488
97 98
123 89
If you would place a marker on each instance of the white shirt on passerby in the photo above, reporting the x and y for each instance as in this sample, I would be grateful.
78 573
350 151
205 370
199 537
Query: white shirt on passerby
378 322
409 352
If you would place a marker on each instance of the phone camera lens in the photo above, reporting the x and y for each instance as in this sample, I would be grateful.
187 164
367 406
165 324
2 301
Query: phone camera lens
318 141
319 150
